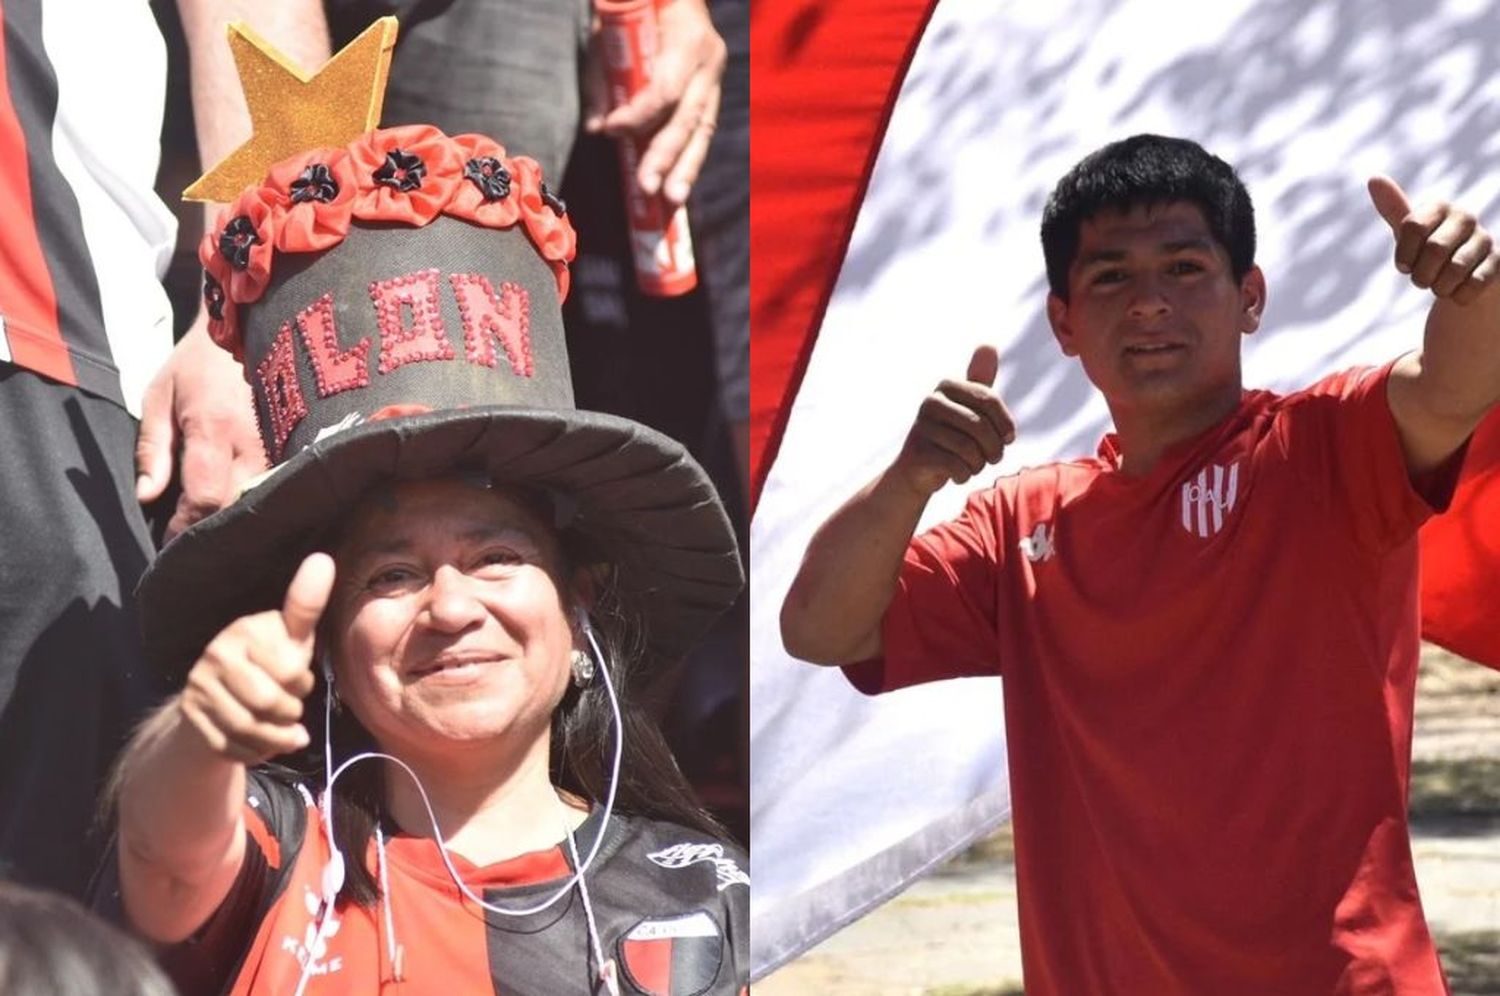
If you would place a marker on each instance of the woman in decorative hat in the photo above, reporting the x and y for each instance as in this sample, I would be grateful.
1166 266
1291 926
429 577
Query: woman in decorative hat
452 579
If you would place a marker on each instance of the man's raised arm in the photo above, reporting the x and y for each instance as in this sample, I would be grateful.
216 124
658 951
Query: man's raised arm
1438 396
833 611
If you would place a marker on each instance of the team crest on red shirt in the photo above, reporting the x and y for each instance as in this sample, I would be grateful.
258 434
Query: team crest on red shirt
673 956
1208 498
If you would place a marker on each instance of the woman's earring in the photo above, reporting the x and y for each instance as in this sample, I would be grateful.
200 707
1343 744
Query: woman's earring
583 669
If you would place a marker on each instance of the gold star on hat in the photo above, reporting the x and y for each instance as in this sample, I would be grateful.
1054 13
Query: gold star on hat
291 112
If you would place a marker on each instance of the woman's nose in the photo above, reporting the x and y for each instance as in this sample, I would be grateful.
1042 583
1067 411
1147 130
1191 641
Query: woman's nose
452 602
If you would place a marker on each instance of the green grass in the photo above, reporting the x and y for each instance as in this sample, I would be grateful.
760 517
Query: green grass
1471 785
1472 962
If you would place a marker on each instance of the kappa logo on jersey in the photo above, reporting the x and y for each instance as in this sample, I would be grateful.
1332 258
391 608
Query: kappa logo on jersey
1208 499
673 956
1039 545
682 855
313 947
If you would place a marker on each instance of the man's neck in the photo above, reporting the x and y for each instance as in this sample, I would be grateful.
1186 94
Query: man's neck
1145 435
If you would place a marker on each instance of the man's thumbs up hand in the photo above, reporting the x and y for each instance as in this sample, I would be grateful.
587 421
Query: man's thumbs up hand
960 428
1442 247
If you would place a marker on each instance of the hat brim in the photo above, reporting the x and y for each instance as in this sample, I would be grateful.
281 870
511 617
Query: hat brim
643 503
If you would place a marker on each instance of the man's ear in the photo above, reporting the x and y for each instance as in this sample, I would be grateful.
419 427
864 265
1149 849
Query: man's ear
1252 300
1062 330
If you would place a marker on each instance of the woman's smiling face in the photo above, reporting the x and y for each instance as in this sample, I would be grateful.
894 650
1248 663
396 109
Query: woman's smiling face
449 622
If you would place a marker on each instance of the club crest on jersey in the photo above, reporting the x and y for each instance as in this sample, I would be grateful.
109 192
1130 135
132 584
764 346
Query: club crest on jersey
673 956
1208 498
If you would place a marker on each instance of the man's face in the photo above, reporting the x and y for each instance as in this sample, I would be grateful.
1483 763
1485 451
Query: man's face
1154 312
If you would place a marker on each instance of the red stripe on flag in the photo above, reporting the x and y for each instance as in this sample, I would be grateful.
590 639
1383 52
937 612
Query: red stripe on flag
27 298
827 74
1461 557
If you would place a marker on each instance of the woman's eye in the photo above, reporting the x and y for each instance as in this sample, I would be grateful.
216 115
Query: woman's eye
500 557
391 578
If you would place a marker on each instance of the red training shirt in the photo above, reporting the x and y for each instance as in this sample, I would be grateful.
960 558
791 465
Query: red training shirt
1209 675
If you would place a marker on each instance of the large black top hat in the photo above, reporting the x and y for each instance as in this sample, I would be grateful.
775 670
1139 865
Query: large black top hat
396 304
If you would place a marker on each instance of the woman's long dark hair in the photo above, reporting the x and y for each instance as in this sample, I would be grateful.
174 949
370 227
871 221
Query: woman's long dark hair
583 737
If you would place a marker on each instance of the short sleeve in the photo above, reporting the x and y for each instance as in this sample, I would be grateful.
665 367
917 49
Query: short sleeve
1357 461
275 824
943 619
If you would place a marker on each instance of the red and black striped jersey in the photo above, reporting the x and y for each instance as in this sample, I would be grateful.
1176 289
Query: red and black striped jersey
670 908
85 239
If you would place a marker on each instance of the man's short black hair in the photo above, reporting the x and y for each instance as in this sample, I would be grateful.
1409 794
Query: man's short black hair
1143 171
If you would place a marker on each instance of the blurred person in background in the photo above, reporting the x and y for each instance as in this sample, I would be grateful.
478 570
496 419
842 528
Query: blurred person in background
51 946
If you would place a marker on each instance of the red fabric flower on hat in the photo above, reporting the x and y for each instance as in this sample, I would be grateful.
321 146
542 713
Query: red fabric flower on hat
312 199
243 241
487 194
223 314
405 174
546 224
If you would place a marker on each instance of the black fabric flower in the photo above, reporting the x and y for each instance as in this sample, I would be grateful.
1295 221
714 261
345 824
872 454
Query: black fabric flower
236 240
213 296
315 184
556 203
402 171
492 178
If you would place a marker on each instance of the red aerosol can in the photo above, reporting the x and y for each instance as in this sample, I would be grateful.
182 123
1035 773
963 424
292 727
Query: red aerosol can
659 239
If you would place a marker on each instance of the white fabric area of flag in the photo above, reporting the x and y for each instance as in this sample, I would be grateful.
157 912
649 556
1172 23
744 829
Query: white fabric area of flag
852 797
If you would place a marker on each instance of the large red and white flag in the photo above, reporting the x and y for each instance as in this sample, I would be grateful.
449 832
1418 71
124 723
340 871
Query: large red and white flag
902 153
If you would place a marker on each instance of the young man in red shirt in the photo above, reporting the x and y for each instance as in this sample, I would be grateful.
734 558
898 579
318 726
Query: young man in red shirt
1208 632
